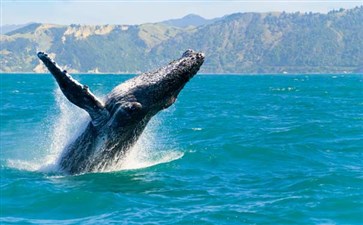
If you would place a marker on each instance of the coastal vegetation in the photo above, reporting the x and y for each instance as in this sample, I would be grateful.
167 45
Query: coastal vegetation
276 42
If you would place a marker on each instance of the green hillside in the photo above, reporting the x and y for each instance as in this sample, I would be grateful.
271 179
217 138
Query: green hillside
238 43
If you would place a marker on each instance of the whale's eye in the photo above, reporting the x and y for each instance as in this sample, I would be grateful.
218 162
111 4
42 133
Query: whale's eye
132 107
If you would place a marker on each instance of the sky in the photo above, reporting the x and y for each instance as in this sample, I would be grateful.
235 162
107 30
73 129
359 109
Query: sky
143 11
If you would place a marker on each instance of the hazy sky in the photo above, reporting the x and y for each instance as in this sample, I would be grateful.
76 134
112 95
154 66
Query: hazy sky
137 11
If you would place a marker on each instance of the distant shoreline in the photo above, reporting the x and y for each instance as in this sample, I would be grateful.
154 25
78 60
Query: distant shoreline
239 43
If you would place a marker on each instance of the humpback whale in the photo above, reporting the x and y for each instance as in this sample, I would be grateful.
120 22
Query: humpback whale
118 121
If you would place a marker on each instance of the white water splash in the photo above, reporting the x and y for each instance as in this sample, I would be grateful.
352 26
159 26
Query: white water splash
60 129
66 126
147 151
23 165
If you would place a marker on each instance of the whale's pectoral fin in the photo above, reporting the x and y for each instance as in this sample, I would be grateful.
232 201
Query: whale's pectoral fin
75 92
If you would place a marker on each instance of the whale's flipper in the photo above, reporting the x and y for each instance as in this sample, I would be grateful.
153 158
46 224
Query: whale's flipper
75 92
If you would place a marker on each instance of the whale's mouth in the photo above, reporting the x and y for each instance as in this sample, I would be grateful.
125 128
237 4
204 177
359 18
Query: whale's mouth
191 53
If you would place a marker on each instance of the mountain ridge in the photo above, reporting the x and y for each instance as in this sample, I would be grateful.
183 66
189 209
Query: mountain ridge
190 20
273 42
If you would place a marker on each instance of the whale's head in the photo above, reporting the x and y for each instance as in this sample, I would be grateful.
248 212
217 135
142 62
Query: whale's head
160 89
143 96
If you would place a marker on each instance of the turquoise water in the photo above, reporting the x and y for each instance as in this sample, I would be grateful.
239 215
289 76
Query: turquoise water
233 149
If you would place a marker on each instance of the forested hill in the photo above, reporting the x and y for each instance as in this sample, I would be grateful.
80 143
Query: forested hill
238 43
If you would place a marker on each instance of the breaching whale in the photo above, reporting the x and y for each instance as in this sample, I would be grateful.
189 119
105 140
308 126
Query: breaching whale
118 121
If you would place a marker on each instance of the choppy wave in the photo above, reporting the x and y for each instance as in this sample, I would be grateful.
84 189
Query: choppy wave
250 151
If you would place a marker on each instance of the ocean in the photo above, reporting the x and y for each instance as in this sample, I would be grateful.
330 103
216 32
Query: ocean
244 149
